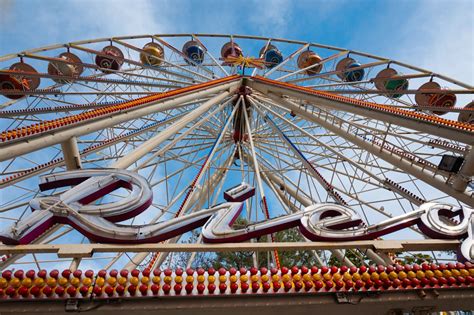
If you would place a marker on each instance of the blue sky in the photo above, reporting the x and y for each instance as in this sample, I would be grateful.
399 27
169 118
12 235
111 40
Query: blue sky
436 34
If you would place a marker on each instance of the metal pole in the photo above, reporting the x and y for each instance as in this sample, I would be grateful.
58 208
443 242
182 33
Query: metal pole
71 154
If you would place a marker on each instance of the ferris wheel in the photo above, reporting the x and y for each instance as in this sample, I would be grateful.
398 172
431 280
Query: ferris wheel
291 123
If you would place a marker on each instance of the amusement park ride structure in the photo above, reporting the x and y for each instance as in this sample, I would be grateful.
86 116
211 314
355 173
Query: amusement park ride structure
114 150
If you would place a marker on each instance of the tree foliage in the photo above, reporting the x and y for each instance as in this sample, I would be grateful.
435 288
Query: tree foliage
246 259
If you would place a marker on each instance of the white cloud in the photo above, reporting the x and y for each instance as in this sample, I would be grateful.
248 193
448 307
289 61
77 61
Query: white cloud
114 18
270 18
435 35
50 22
441 38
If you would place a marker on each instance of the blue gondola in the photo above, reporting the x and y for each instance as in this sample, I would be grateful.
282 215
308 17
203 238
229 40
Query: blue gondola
354 75
272 56
193 51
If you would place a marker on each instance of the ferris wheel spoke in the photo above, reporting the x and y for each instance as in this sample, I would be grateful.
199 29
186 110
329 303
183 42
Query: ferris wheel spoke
258 178
405 151
342 129
321 63
319 165
181 171
402 194
364 93
288 206
301 169
209 127
194 200
169 147
299 196
193 192
261 55
137 259
286 60
207 52
138 64
329 73
164 61
179 52
301 157
140 73
136 74
164 135
216 192
269 150
50 109
327 147
374 256
179 156
282 181
336 83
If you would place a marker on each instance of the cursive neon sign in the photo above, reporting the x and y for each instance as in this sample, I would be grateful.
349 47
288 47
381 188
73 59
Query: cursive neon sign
318 222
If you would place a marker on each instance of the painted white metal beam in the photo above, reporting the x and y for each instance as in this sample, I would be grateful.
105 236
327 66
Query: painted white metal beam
415 124
53 137
428 177
71 154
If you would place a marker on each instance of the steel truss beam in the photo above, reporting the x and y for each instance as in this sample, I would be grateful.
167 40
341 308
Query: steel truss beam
440 130
335 126
50 138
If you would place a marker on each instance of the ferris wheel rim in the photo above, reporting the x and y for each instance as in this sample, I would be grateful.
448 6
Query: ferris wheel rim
262 38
